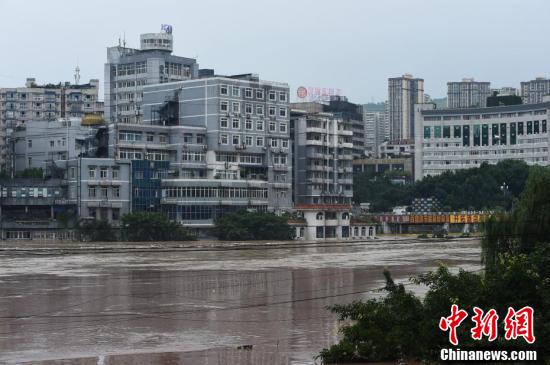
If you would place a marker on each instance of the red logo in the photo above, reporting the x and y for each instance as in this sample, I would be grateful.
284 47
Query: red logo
302 92
485 325
519 324
516 324
451 322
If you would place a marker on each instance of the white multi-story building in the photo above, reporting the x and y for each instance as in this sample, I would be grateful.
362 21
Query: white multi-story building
533 91
323 173
128 70
403 93
468 93
39 143
453 139
34 102
376 130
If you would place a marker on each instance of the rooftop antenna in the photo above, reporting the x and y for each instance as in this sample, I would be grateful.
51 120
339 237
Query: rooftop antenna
77 75
124 40
119 41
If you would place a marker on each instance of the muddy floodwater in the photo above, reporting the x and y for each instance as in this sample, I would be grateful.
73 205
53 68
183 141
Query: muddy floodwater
199 304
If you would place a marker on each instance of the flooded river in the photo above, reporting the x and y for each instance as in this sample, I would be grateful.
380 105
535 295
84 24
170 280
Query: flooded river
195 305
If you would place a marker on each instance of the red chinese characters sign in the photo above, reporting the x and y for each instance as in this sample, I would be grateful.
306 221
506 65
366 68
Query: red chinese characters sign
516 324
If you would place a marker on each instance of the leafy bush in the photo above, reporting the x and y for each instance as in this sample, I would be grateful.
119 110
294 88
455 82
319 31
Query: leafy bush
244 226
145 226
96 230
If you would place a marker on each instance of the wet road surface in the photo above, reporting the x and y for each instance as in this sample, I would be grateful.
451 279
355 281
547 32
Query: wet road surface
196 306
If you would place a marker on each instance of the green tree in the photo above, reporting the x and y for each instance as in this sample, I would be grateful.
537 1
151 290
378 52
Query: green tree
244 225
146 226
32 173
96 230
476 188
516 253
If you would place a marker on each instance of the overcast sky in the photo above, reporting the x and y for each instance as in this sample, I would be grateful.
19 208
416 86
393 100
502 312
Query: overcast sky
352 45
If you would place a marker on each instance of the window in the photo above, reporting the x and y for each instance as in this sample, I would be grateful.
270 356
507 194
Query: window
319 216
236 107
224 106
188 137
223 123
259 141
115 174
91 192
223 90
29 161
248 108
236 124
72 173
282 127
103 173
248 93
274 142
284 143
236 140
427 132
91 172
465 135
437 132
248 125
29 143
272 96
235 91
116 192
272 126
485 134
520 128
104 192
477 135
248 140
260 109
529 127
150 137
282 96
260 94
271 111
201 138
162 138
446 131
52 144
139 175
223 139
260 125
282 112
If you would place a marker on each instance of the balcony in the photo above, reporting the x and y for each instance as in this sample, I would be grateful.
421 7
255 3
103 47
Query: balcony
280 167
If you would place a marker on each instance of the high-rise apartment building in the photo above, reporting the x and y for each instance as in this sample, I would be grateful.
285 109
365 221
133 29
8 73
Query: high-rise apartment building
468 93
533 91
128 70
403 93
49 102
352 115
323 172
376 129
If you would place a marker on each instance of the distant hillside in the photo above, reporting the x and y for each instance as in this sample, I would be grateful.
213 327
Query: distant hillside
375 107
441 103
